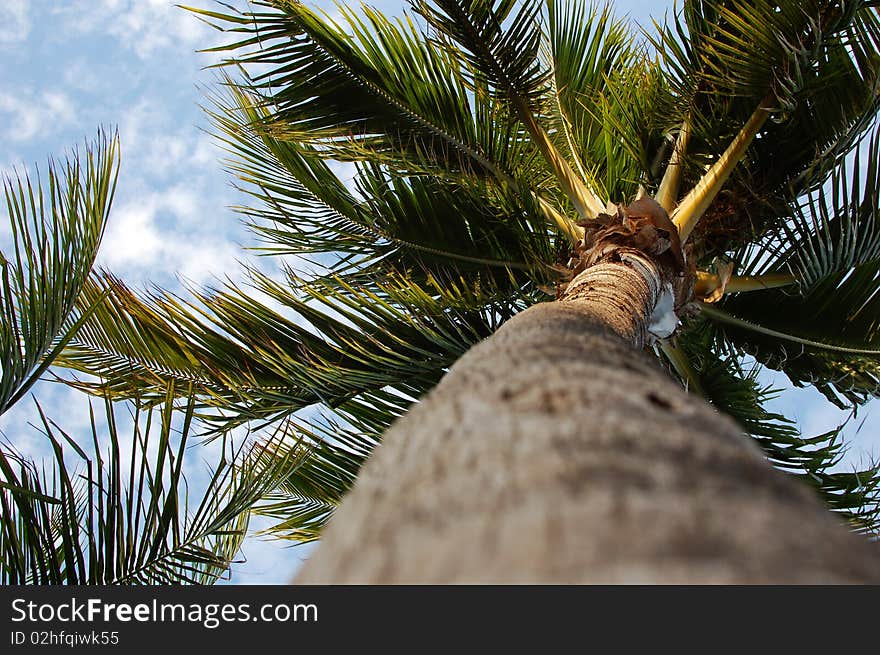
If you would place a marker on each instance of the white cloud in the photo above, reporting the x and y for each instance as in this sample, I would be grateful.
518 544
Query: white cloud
169 218
15 23
144 26
166 232
27 114
168 156
132 238
156 146
59 107
205 260
129 62
79 75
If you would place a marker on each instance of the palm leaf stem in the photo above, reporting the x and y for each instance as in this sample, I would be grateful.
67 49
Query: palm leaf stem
667 193
708 282
584 199
697 201
682 365
724 317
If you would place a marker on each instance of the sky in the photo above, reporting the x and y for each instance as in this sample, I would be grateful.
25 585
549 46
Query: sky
69 67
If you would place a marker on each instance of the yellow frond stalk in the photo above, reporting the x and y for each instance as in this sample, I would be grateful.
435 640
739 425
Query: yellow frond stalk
667 193
566 225
584 199
708 283
694 205
682 365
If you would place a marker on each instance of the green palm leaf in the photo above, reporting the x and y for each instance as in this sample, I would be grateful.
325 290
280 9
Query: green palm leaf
598 68
326 342
449 225
320 471
499 41
835 231
814 64
823 332
352 91
128 517
839 354
55 238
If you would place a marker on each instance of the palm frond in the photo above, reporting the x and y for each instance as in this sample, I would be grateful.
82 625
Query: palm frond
350 90
836 230
814 65
324 341
443 224
55 237
499 40
127 517
321 470
605 97
738 48
838 353
499 43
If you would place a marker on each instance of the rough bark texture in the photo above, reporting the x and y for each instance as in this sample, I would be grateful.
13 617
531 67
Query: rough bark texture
618 297
555 452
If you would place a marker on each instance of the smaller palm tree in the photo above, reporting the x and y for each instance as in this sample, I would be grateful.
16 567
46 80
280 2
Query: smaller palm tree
108 507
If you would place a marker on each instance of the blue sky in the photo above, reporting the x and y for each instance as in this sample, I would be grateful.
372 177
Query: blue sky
71 66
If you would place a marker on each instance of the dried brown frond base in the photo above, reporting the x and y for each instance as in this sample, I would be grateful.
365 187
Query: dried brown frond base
644 227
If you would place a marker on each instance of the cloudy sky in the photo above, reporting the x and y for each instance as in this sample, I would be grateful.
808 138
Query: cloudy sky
68 67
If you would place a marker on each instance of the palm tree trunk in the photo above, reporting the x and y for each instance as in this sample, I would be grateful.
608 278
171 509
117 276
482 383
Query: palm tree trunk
556 452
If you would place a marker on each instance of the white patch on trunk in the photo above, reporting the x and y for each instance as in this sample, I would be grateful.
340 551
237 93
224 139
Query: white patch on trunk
663 320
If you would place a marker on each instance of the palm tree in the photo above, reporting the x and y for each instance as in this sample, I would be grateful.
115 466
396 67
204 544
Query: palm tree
508 210
117 511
